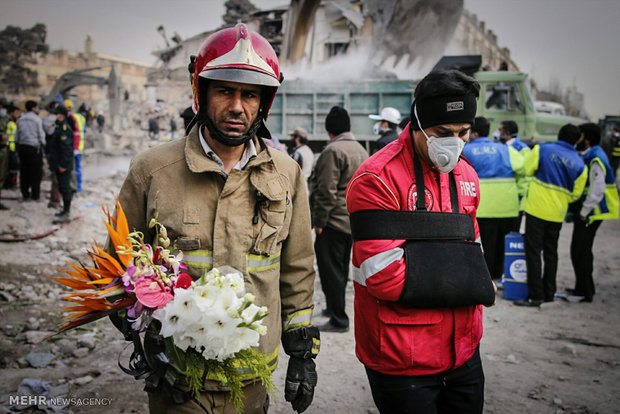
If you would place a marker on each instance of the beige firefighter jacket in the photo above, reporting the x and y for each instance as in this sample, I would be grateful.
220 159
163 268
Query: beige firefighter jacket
209 216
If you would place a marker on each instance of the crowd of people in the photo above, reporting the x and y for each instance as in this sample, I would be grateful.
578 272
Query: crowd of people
31 142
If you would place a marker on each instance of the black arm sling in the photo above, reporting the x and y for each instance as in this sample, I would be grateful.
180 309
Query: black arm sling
444 268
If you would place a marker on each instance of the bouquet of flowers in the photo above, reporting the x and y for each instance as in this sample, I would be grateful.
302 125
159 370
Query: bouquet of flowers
209 325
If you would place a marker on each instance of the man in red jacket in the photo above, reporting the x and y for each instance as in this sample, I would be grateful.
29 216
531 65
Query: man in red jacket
422 360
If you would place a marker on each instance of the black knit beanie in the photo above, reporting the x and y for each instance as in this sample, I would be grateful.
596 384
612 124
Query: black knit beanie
337 121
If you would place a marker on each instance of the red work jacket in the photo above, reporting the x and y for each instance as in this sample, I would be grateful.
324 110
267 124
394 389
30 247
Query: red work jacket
390 337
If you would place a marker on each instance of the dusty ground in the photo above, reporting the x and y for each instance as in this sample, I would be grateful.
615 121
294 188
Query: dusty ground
561 358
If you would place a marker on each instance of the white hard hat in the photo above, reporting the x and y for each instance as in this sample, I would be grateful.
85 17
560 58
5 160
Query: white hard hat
387 114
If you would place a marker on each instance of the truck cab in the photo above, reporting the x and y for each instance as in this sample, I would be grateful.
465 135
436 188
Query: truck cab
506 96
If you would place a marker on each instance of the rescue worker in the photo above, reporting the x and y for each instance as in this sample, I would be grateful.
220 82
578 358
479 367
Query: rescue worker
559 176
78 140
422 360
599 202
61 161
509 134
498 166
386 126
227 199
13 159
30 140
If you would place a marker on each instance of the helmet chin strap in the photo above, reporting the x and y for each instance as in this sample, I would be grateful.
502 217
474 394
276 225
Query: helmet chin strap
227 139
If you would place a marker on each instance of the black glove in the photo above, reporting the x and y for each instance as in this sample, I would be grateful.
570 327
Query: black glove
301 378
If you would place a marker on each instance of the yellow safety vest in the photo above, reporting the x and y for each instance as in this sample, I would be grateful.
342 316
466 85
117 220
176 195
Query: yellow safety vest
11 129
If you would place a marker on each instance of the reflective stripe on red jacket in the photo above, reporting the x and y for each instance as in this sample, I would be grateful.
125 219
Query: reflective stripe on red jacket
392 338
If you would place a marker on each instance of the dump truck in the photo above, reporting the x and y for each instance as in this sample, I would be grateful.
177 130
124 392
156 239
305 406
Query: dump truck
504 96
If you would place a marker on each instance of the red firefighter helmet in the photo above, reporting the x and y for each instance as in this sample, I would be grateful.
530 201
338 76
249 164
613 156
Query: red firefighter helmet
237 54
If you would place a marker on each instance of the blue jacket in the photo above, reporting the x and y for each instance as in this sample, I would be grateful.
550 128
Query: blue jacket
559 177
608 207
498 166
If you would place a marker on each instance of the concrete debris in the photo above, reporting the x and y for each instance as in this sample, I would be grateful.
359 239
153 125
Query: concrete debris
39 360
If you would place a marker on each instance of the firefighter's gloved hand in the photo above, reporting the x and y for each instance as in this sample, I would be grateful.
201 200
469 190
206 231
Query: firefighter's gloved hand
301 378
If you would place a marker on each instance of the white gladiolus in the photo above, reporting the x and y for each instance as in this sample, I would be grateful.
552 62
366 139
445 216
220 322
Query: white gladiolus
214 316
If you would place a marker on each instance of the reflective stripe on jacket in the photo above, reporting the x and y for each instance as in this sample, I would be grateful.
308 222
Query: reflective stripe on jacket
559 177
498 166
209 215
392 338
608 207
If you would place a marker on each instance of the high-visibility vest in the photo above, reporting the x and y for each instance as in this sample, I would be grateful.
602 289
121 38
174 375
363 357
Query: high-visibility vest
81 127
11 129
608 207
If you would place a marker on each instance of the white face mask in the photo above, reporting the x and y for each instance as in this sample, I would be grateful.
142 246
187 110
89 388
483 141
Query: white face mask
3 112
444 152
378 129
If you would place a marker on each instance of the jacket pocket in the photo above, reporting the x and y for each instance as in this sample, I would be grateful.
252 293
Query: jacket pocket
271 213
410 338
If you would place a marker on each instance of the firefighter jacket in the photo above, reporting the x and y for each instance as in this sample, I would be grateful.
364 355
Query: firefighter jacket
559 177
607 206
61 147
332 172
390 337
498 166
256 220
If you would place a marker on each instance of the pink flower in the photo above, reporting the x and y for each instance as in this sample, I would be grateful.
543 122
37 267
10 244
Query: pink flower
184 281
152 294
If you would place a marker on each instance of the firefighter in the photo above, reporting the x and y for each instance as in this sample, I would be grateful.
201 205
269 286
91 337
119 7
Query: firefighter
228 199
419 359
11 130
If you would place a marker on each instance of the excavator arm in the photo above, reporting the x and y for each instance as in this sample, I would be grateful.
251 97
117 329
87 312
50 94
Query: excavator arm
69 80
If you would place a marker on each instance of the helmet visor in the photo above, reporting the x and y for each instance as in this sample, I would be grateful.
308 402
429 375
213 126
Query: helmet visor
251 77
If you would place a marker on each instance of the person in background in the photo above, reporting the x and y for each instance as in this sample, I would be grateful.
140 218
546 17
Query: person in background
49 126
30 140
13 159
418 360
173 128
4 151
332 172
499 166
509 134
386 126
61 161
100 122
79 121
302 153
615 151
599 202
558 178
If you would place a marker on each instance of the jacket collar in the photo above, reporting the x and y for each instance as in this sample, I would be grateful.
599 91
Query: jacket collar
198 162
345 136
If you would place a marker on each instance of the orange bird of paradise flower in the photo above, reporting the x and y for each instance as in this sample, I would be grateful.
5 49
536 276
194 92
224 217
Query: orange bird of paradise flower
99 290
